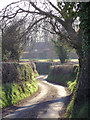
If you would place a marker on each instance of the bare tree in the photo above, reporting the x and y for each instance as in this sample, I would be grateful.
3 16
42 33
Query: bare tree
56 15
60 15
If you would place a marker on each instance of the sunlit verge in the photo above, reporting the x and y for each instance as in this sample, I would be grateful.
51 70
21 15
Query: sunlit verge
18 82
12 93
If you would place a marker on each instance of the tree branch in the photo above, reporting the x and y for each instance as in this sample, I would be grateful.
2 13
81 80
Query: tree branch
31 26
48 14
49 30
55 8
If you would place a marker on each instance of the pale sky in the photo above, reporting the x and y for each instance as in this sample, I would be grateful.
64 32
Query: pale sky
4 3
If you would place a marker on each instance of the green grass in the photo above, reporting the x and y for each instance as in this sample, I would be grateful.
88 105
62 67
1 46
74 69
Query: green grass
41 60
71 85
68 113
47 60
24 59
12 93
74 60
20 83
36 75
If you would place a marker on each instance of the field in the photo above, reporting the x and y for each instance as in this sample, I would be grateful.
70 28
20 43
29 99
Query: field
47 60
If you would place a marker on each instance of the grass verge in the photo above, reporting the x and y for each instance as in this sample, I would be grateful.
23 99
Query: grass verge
17 83
13 93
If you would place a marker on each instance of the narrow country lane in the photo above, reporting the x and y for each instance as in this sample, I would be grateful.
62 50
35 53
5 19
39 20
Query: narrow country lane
46 104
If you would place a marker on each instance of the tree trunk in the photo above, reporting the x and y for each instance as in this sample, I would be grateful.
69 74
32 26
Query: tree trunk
82 81
62 54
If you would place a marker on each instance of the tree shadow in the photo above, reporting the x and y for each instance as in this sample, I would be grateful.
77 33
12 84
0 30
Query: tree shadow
33 110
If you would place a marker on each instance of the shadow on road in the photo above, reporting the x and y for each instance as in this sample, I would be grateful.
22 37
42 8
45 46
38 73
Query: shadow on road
34 110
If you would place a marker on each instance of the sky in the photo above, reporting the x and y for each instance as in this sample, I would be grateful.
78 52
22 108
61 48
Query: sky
4 3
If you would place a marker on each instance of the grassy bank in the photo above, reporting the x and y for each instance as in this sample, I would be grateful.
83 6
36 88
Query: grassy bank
13 93
17 82
63 75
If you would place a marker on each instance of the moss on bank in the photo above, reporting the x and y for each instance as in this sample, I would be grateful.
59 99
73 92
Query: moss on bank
17 82
12 93
80 110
